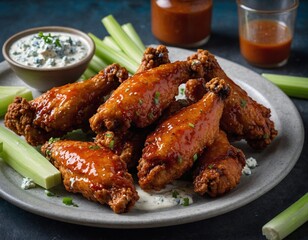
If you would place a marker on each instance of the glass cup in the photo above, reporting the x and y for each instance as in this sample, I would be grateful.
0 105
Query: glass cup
266 31
183 23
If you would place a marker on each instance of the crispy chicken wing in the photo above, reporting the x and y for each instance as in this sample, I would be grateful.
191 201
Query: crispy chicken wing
154 57
219 168
170 150
62 109
140 100
129 144
97 173
243 117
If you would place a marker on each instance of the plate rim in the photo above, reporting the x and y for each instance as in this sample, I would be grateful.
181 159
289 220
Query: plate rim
10 192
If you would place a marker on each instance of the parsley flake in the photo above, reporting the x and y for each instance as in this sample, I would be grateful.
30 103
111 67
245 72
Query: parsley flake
195 157
156 98
185 202
69 201
243 103
175 193
94 147
50 39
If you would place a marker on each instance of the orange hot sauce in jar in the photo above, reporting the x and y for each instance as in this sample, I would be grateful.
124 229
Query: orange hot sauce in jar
184 23
265 43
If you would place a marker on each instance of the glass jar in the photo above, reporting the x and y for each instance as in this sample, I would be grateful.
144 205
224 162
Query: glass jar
183 23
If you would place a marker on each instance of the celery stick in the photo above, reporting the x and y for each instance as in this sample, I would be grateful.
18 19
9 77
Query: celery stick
111 56
27 161
292 86
8 93
131 32
88 73
288 220
111 43
97 64
1 146
121 38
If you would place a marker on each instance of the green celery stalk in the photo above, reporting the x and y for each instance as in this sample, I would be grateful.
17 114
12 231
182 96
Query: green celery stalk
88 73
1 146
122 39
109 55
288 220
27 161
8 93
108 40
97 64
291 85
131 32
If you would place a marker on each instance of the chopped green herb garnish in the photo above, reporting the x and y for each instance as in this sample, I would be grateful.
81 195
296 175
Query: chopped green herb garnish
48 153
180 159
108 135
243 103
195 157
265 136
49 39
111 144
191 125
182 91
151 115
140 101
52 140
69 201
185 202
94 147
49 194
210 166
156 98
175 193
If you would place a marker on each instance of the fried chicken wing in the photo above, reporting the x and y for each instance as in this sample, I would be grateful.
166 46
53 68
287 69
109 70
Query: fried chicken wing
140 100
169 151
219 168
154 57
62 109
243 117
97 173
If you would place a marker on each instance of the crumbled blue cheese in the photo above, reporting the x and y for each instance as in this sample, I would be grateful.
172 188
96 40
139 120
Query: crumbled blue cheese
177 193
63 49
27 183
246 170
250 164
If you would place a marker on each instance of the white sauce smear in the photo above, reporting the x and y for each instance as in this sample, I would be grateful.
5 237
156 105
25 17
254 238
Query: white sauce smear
48 50
177 193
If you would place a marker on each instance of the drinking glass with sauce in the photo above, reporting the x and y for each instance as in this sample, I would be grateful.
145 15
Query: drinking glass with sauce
183 23
266 31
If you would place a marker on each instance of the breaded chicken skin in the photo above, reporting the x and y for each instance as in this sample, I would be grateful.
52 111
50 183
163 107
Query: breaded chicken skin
219 168
170 150
97 173
62 109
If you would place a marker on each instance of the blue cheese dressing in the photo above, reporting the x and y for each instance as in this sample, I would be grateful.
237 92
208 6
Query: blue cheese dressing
177 193
49 50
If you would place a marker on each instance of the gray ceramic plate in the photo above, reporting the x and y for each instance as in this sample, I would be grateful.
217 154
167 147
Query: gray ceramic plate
274 164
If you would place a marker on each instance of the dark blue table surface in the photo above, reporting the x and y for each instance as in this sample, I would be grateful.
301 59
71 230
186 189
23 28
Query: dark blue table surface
243 223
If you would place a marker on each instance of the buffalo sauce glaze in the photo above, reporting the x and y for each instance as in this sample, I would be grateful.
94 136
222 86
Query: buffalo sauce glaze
141 98
175 144
98 167
265 43
185 23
